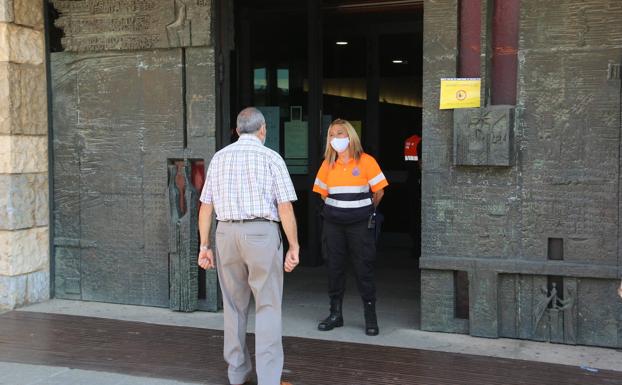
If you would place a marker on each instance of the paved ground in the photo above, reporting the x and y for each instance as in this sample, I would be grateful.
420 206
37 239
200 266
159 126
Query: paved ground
23 374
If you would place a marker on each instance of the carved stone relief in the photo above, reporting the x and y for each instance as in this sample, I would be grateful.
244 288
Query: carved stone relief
100 25
183 242
483 136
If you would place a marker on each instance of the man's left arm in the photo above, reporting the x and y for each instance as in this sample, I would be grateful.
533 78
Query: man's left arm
206 255
285 195
288 220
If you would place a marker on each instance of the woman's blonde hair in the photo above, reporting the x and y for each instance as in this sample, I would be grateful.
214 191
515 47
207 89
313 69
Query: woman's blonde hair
355 148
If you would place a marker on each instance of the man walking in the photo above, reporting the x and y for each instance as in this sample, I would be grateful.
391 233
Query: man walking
249 187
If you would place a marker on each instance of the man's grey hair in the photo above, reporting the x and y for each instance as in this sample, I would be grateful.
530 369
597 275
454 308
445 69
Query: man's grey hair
250 120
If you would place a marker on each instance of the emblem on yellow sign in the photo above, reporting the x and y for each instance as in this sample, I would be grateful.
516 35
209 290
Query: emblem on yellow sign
460 93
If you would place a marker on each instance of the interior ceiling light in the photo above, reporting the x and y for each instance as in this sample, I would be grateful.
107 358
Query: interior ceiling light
342 43
399 61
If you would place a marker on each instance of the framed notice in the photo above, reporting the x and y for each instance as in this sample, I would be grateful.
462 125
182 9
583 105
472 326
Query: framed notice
460 93
297 166
295 113
296 137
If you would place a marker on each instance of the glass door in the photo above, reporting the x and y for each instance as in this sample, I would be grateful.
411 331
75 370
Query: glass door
372 69
278 51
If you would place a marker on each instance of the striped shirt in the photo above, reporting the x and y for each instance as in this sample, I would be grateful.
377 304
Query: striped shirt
348 188
247 180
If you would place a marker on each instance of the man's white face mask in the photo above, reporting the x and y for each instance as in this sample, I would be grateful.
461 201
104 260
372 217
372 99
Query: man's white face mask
340 144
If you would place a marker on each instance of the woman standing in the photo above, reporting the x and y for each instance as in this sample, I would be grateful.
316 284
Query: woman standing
351 185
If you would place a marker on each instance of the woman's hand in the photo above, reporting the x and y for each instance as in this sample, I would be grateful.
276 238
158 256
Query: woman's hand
377 197
620 290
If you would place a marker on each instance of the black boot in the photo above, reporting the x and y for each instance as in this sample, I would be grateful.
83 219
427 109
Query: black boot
371 322
335 319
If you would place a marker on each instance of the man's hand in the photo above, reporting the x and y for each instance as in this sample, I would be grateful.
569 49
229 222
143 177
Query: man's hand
620 290
206 259
291 259
288 220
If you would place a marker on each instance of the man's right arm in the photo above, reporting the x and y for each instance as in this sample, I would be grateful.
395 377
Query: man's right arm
288 220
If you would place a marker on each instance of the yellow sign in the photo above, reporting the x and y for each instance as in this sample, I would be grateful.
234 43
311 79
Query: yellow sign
460 93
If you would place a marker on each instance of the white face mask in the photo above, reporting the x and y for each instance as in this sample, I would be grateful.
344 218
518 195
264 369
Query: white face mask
340 144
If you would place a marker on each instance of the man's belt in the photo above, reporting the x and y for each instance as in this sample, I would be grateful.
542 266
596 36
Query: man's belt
247 220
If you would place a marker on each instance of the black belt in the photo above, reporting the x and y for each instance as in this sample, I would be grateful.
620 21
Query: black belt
247 220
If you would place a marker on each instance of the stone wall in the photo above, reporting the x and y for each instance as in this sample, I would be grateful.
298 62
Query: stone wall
24 255
538 237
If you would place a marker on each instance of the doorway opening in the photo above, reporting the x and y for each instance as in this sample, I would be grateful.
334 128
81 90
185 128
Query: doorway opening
305 63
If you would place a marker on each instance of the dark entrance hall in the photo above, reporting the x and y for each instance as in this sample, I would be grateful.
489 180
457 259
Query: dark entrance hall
306 63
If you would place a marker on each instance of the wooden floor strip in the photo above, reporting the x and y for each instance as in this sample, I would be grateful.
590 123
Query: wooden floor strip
195 355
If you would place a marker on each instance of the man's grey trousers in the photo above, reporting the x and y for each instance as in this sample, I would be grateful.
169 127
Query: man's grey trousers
250 260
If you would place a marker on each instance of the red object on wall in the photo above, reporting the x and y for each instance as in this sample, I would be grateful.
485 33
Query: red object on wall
504 60
198 175
470 24
411 153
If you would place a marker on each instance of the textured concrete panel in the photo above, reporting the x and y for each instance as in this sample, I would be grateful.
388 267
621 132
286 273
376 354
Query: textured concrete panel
121 275
101 25
571 160
483 301
531 267
528 289
483 136
67 145
200 99
570 23
507 302
67 272
598 319
571 315
564 171
111 127
438 304
118 118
